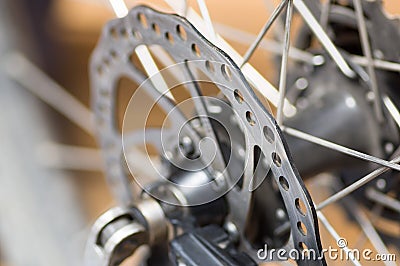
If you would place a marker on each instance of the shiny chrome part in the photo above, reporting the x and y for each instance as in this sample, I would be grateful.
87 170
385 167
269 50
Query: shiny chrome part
114 237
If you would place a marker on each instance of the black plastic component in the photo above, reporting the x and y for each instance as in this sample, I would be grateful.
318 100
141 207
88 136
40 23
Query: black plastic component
207 246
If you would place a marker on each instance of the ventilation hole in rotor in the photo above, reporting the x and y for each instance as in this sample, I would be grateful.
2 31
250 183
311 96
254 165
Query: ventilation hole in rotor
142 19
284 183
226 72
181 32
276 159
303 246
156 28
210 66
196 50
250 118
137 35
169 37
114 33
302 228
238 96
124 33
301 208
268 134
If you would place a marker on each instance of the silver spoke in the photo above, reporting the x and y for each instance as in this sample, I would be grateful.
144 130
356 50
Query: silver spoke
336 236
359 183
375 213
67 157
37 82
277 11
381 64
119 7
366 47
383 199
367 227
391 107
284 63
324 17
207 19
278 27
152 70
268 45
184 8
339 148
323 38
252 75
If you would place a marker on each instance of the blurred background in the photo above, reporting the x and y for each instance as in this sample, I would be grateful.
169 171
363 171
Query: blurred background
51 181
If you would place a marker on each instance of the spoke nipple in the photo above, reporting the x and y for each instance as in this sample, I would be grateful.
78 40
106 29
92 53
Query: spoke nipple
318 60
381 184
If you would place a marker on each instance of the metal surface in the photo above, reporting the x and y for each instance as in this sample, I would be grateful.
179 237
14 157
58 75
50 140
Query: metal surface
276 154
114 237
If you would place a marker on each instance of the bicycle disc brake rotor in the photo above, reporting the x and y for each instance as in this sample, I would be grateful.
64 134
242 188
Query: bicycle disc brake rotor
110 62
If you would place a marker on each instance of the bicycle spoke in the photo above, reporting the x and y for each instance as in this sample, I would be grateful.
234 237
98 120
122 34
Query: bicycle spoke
67 157
375 213
383 199
394 112
278 27
269 45
184 8
336 236
37 82
152 70
366 48
324 17
339 148
119 7
381 64
367 227
323 38
284 63
277 11
207 19
252 75
359 183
